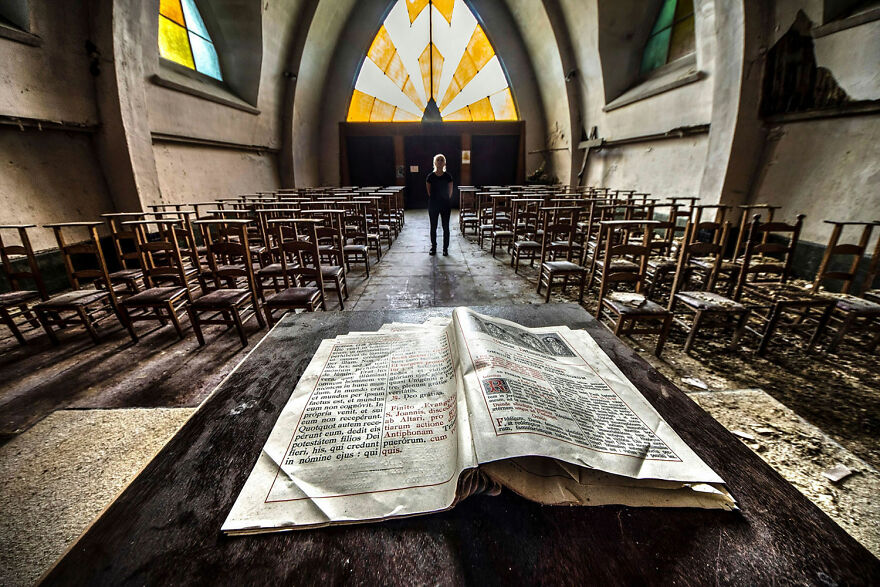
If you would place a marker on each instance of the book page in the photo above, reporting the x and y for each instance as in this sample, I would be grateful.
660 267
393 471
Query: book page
553 392
374 429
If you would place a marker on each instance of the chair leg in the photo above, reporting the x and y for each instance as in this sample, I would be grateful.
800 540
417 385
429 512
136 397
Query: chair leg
775 316
6 319
664 333
239 326
87 323
822 325
339 294
549 286
175 320
125 317
695 326
25 311
583 284
740 328
269 318
47 326
197 327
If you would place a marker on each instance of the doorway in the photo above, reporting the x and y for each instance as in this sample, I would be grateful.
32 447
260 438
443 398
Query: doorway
419 155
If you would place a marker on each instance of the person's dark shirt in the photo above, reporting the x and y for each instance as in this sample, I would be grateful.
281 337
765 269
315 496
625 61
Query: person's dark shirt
439 188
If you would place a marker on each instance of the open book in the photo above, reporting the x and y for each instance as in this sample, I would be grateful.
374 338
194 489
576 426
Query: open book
415 417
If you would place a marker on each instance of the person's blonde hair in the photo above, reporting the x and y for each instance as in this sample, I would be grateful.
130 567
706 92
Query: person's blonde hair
440 156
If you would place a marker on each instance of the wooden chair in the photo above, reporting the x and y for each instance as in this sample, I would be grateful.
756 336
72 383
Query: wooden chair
301 264
16 303
502 231
356 248
129 276
163 262
855 312
630 312
868 292
87 307
524 242
764 281
467 209
558 239
230 261
709 309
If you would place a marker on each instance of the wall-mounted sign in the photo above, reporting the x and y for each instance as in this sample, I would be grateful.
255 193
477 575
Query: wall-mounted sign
413 168
466 157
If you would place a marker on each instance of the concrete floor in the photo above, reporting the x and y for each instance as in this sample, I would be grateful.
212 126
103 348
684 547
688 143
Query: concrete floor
128 399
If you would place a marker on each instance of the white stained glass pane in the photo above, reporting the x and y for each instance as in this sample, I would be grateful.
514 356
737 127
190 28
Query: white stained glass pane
409 40
194 20
488 81
452 40
205 57
374 82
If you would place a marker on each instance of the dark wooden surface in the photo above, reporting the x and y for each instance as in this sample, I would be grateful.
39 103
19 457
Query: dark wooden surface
165 527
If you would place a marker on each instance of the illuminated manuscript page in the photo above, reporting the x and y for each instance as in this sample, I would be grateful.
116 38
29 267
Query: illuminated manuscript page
552 392
374 429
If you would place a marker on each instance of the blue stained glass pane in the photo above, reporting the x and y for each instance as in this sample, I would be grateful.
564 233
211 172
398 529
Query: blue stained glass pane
664 19
194 20
656 51
205 57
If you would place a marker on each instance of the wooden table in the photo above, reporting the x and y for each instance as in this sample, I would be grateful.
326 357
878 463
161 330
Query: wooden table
165 527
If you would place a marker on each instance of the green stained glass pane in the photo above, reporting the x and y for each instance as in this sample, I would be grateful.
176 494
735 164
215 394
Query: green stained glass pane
656 51
665 18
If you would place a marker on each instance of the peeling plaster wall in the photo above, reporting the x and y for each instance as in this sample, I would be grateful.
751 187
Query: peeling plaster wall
828 168
688 105
49 177
192 173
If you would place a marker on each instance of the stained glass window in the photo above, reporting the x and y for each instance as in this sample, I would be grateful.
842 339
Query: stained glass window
431 55
184 39
672 36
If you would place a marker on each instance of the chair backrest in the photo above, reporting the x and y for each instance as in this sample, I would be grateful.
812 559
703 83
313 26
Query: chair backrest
560 231
840 252
691 246
620 247
94 271
765 241
160 257
124 239
7 251
299 254
747 212
229 255
873 268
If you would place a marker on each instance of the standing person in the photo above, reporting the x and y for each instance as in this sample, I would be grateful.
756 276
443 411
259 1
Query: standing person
439 187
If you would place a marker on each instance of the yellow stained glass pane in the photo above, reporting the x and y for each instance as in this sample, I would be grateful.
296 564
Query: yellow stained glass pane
360 107
382 50
479 48
426 61
445 8
174 43
414 8
466 71
463 115
404 116
382 111
172 10
502 105
396 71
683 39
451 92
409 89
482 110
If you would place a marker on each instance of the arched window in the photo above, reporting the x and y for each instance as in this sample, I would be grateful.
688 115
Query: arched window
184 39
431 60
672 36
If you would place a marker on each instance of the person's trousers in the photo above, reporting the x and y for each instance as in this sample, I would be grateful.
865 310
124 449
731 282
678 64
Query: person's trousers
443 213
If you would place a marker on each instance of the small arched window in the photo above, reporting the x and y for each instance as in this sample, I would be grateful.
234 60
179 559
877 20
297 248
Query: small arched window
672 36
431 60
184 39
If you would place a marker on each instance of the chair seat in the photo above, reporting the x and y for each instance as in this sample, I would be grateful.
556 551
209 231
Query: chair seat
331 271
786 292
125 274
562 267
15 298
272 270
873 295
849 303
355 248
632 303
619 265
221 298
498 233
661 262
294 296
707 300
74 298
153 296
526 245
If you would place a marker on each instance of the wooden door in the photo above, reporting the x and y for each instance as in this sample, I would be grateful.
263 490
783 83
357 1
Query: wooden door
370 160
494 159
